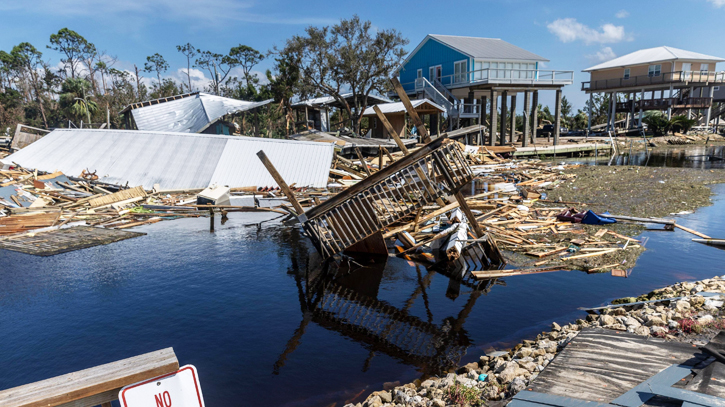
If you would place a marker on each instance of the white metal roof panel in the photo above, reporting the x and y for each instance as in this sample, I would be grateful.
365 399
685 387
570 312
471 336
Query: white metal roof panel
398 107
487 48
326 100
650 55
190 114
304 163
175 160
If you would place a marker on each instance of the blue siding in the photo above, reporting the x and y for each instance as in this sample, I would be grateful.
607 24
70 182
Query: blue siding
432 53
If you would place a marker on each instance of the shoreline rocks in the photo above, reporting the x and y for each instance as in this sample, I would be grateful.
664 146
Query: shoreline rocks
692 318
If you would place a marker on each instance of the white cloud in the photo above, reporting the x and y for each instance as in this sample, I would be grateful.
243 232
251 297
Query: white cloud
570 30
717 3
604 54
625 13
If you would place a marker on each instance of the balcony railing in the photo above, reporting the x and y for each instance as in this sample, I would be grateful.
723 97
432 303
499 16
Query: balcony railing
665 103
664 78
505 76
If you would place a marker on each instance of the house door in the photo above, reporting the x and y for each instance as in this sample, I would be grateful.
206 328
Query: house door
435 72
686 71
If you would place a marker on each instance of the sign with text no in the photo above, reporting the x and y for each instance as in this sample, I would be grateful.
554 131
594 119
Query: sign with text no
177 389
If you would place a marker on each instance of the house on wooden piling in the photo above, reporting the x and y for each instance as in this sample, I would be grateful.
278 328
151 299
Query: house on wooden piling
667 79
464 74
395 113
314 114
188 113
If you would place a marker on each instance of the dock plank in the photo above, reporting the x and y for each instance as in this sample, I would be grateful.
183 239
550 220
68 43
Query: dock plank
58 241
600 364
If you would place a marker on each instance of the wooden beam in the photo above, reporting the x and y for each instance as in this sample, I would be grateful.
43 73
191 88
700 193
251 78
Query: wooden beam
389 128
424 137
93 386
469 215
362 160
280 181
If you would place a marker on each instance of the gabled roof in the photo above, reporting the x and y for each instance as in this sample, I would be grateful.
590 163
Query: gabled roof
190 113
651 55
331 101
398 107
483 48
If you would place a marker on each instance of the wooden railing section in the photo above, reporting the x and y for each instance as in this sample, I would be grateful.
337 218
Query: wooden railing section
25 136
91 387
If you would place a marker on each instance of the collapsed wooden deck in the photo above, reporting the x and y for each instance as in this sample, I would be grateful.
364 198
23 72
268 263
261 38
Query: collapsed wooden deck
562 149
600 365
65 240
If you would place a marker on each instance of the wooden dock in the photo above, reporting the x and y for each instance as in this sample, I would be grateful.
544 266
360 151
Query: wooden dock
599 366
564 149
59 241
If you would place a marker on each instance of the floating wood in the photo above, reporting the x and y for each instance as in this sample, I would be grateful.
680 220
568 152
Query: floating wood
119 196
58 241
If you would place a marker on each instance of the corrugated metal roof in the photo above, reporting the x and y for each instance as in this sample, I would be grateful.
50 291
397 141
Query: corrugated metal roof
487 48
650 55
328 100
190 114
176 160
398 107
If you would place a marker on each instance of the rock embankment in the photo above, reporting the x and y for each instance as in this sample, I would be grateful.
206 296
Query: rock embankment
694 318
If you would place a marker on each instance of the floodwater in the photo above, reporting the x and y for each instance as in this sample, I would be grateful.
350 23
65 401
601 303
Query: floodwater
244 305
702 157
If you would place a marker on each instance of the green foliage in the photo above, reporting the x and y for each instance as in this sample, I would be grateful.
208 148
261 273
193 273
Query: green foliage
347 57
74 99
189 52
73 46
681 124
461 395
656 122
156 63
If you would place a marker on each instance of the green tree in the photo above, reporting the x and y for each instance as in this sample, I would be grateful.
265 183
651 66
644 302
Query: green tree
28 61
217 65
73 46
283 84
75 101
565 112
156 63
189 52
247 58
348 57
656 122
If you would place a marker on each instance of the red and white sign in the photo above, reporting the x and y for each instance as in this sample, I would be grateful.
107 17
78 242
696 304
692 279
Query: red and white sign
177 389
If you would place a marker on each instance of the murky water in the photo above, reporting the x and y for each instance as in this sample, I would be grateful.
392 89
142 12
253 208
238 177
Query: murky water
240 305
702 157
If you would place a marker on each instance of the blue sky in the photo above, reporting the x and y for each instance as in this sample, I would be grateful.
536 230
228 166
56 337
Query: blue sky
572 34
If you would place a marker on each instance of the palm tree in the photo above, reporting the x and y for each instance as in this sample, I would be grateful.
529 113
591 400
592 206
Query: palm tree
74 99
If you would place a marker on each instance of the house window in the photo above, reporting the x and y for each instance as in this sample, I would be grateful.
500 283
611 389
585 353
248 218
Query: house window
717 88
459 72
420 73
655 70
434 73
626 73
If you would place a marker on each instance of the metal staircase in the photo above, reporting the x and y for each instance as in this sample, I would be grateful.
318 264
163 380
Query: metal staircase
439 95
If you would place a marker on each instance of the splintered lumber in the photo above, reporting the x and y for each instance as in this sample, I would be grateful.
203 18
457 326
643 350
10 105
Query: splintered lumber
615 234
425 219
549 253
126 194
581 256
21 223
93 386
514 272
435 237
645 220
694 232
455 243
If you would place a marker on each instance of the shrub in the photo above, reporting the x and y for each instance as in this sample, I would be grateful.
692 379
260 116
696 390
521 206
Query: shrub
461 395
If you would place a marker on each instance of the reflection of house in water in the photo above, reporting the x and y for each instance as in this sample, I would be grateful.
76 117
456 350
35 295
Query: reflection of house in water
346 302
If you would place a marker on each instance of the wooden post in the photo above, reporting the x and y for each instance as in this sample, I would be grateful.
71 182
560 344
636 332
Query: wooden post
492 126
557 117
534 116
307 120
469 215
280 181
504 107
482 119
380 158
362 160
513 117
424 137
527 113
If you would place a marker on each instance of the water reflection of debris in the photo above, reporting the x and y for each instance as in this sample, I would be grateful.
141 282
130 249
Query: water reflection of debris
344 299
